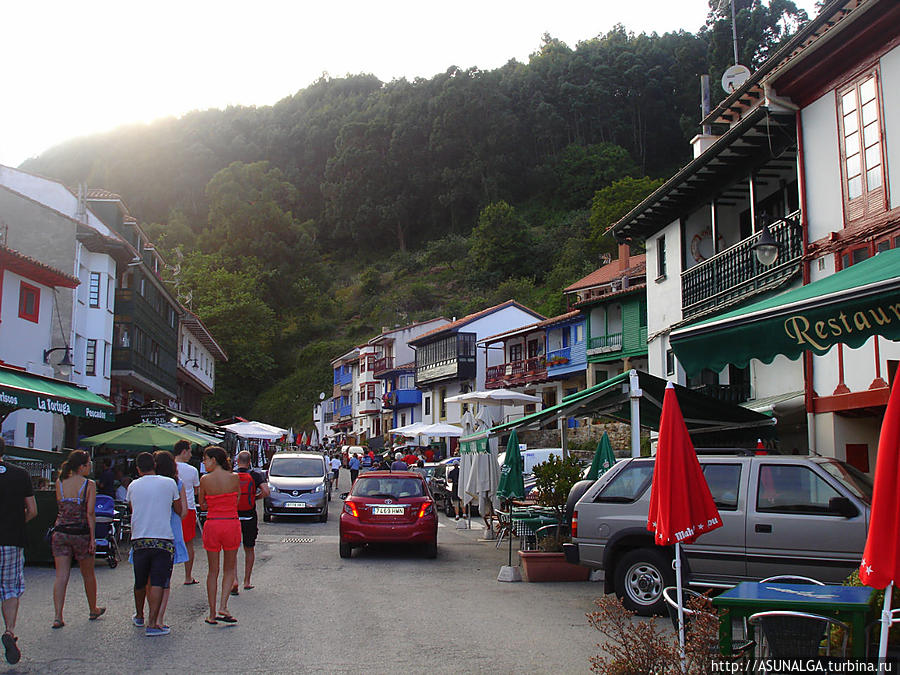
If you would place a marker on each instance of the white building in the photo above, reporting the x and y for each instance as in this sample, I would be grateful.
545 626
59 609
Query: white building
45 220
810 155
447 362
198 352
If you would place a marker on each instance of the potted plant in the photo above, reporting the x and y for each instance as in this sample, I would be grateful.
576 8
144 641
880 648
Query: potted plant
553 481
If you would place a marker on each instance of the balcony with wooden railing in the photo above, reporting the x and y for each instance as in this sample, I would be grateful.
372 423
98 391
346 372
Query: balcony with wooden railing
735 274
382 365
605 343
514 373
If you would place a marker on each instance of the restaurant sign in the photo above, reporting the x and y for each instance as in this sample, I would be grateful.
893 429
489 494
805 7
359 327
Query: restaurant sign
25 399
847 307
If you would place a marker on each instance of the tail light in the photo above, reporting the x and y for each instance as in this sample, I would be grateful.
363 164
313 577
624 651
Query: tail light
426 508
574 524
350 509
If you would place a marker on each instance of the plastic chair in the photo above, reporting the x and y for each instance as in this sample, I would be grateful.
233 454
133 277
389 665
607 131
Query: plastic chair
798 635
739 648
792 579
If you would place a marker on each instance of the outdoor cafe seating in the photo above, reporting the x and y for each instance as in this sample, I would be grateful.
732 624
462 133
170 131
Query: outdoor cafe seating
740 648
793 635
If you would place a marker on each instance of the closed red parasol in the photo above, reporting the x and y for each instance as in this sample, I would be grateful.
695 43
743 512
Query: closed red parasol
880 566
681 506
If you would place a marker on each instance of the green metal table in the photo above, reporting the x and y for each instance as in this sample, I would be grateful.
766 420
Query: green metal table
847 603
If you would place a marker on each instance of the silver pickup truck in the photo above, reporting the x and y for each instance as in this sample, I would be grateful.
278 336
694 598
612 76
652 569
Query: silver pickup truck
781 515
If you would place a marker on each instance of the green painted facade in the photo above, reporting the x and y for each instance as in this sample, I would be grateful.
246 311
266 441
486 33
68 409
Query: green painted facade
633 340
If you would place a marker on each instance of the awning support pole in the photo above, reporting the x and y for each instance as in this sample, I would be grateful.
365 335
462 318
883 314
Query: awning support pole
635 394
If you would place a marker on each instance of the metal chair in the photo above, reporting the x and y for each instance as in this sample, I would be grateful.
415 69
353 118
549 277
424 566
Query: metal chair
504 525
739 648
797 635
792 579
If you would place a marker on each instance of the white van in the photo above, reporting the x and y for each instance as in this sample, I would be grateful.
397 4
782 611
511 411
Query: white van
532 457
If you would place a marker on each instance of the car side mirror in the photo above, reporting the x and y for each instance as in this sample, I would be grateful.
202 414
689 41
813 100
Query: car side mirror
344 495
843 507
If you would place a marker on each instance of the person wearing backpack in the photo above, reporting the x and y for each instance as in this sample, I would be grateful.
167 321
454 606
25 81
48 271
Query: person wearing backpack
253 486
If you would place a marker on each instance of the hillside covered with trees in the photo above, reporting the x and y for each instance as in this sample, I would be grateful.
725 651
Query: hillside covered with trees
302 228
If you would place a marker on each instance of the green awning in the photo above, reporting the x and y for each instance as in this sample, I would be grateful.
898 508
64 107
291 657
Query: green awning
846 307
612 399
25 390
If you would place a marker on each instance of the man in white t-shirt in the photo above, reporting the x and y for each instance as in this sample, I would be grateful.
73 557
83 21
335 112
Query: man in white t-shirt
190 478
152 499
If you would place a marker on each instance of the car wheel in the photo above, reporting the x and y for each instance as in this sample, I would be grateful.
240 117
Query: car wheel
640 577
267 517
431 550
346 549
323 517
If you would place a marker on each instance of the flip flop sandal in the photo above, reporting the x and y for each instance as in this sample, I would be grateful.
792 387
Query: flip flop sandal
211 622
93 616
190 583
58 623
227 618
247 588
234 591
12 650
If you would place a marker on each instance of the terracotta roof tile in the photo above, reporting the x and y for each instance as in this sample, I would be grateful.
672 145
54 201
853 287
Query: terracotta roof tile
27 266
453 325
534 326
610 272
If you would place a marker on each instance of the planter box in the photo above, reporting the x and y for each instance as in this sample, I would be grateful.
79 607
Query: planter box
540 566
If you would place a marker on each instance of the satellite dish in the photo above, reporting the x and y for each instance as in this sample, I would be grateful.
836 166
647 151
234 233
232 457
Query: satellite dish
734 77
322 396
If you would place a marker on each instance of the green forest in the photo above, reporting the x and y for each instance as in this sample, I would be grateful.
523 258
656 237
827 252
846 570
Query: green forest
303 228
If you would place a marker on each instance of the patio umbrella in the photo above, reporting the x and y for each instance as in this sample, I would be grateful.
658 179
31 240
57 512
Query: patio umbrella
303 439
511 484
681 506
494 397
256 430
880 566
138 438
603 459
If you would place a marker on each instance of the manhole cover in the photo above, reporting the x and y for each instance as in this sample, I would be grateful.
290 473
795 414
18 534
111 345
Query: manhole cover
297 540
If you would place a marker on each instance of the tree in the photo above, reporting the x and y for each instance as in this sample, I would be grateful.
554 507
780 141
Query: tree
613 202
500 245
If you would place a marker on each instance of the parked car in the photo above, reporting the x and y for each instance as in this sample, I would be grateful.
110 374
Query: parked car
780 515
389 507
299 485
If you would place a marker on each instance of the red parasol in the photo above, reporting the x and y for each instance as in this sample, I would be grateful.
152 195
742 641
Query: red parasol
880 566
681 506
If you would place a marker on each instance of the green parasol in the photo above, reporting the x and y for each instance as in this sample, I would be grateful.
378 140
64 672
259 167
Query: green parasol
511 485
603 459
139 437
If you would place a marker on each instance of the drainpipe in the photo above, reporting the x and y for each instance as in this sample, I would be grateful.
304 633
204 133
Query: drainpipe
804 266
635 393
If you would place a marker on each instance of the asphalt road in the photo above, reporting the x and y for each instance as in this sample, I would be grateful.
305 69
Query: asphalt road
382 611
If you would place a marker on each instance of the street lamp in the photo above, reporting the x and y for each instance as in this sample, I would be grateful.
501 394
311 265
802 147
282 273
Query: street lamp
65 365
765 248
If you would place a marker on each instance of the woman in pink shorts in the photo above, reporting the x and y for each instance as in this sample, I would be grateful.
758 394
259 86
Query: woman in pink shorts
218 496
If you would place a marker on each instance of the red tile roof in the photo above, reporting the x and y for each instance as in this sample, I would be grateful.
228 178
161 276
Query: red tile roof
533 326
35 270
608 296
459 323
637 264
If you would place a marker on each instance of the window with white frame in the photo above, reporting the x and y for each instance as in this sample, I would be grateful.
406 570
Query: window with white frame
862 157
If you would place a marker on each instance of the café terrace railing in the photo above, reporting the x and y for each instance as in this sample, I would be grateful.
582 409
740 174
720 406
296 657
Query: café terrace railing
516 372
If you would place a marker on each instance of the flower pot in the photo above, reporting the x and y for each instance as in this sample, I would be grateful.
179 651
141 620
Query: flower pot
540 566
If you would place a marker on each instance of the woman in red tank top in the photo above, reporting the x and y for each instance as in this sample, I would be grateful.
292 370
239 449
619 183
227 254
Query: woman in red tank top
218 496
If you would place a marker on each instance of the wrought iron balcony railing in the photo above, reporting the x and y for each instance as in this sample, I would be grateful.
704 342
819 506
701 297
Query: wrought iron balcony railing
736 273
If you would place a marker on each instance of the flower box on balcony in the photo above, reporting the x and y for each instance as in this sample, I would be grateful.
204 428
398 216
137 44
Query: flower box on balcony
557 360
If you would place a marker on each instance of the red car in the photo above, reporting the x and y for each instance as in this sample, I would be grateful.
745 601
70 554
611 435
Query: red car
389 507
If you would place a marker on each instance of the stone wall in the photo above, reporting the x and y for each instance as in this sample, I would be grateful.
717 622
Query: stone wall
587 436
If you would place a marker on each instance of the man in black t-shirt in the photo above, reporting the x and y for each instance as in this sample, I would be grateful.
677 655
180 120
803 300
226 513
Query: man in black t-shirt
253 486
17 507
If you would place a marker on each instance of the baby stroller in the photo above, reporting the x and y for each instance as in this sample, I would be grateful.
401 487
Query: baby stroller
105 530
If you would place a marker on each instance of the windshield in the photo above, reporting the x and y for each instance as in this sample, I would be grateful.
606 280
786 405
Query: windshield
388 487
297 467
851 478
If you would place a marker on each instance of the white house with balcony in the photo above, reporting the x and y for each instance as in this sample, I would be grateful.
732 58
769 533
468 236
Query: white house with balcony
198 353
760 269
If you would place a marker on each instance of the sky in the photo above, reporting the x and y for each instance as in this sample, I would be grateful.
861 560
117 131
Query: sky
78 68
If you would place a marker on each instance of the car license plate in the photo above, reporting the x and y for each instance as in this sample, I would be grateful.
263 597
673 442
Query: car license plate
295 505
388 510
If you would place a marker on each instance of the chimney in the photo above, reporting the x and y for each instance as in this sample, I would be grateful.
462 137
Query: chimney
624 254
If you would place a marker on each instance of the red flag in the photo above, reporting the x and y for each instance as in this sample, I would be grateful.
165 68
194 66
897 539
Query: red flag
681 506
881 557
